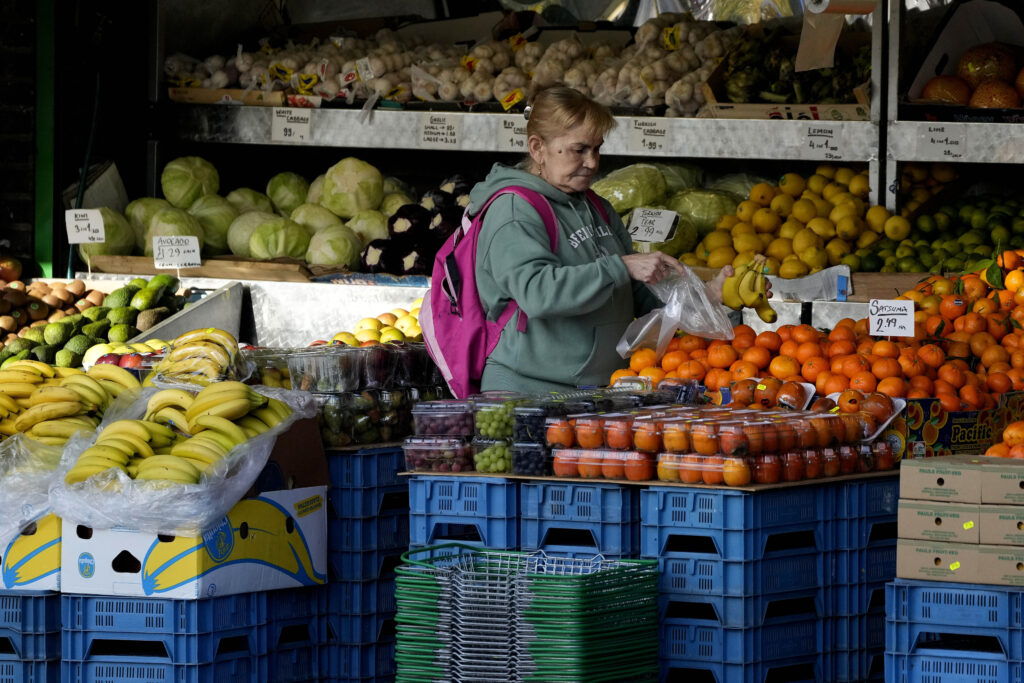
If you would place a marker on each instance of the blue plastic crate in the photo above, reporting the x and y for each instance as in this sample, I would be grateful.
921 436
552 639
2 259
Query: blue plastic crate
29 646
852 599
797 670
133 670
855 666
30 612
158 615
754 543
292 603
358 629
580 502
853 534
346 662
933 602
295 664
297 632
875 497
190 649
951 666
361 597
683 573
369 565
905 636
618 539
489 507
874 564
743 612
388 531
695 640
862 632
368 501
737 510
12 671
373 467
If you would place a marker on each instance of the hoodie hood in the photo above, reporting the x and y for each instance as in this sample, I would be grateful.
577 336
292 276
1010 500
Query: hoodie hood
502 176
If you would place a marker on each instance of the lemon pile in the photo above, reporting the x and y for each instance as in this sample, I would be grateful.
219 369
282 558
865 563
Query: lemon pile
802 225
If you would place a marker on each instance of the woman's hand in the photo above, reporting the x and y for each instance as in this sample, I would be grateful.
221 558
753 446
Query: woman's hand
651 268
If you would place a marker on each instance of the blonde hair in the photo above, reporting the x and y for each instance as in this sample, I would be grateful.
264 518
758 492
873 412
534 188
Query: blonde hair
555 111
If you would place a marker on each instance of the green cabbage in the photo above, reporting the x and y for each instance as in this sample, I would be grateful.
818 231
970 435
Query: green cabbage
704 207
632 186
186 179
350 186
314 217
139 214
334 246
215 214
117 233
315 189
242 229
287 190
393 201
679 177
738 183
369 226
278 238
246 199
172 222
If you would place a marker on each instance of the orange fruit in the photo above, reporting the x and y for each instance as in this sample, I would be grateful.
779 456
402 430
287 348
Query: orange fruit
813 367
863 381
994 354
783 366
742 342
642 358
805 333
894 387
922 383
742 369
952 375
769 340
932 355
808 350
655 373
974 287
673 359
885 349
999 382
998 450
1013 434
620 373
842 333
691 369
841 348
953 306
853 365
836 384
758 355
736 472
886 367
722 356
984 306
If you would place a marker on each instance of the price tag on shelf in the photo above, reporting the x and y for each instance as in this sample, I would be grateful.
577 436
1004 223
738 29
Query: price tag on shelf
647 136
825 140
176 251
440 131
891 318
938 141
652 225
511 134
290 125
84 226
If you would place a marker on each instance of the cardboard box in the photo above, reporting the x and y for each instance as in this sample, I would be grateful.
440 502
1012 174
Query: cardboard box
939 522
932 561
253 98
932 431
950 479
999 565
30 560
1001 525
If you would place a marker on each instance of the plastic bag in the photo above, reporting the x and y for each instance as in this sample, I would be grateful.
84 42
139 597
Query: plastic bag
199 358
687 307
113 499
27 468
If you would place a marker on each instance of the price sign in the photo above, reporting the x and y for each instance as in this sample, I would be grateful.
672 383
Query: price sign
825 140
652 225
440 131
512 134
891 318
647 136
940 142
177 251
290 125
84 226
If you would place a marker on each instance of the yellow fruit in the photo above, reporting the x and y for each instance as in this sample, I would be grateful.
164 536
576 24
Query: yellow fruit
726 222
867 238
762 193
780 248
745 210
766 238
816 183
766 220
897 228
742 228
836 250
814 257
792 184
831 190
944 173
920 194
782 204
850 228
841 211
847 198
803 210
790 228
876 218
742 243
918 172
771 266
743 258
826 171
823 228
910 207
860 186
692 260
716 239
721 257
793 268
806 239
823 207
844 175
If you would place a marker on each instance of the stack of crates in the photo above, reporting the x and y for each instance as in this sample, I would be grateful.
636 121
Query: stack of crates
580 519
367 532
479 511
30 639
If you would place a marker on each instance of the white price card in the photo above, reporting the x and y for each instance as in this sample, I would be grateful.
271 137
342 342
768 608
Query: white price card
647 136
440 131
176 251
825 140
652 225
84 226
891 318
290 125
940 141
511 134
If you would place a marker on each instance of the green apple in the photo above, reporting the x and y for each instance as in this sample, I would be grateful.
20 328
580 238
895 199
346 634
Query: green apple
365 335
388 334
387 318
415 313
405 322
346 338
415 334
367 324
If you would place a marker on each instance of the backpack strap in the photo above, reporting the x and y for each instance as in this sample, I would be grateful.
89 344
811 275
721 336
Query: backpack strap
598 204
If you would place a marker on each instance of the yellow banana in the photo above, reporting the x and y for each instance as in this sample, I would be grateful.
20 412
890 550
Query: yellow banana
230 409
765 311
201 349
226 389
126 427
220 439
80 474
48 440
748 289
219 424
89 389
8 375
67 372
113 373
207 451
97 461
52 395
46 411
253 423
167 474
132 470
730 293
43 369
7 427
171 416
195 365
64 428
136 446
148 381
282 409
108 452
224 339
198 464
4 412
268 416
112 389
8 403
17 389
160 435
169 398
169 461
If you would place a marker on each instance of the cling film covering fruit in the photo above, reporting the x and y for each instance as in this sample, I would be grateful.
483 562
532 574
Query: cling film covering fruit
201 357
27 467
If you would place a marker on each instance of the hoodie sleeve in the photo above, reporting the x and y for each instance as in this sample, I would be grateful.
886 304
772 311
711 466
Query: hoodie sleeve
644 300
515 251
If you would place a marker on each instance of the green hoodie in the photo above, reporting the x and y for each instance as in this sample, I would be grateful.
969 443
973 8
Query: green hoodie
578 300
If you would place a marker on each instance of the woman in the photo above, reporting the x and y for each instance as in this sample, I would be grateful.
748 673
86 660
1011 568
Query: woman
580 298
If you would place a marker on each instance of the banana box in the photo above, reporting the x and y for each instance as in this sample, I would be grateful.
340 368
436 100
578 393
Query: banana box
275 540
30 559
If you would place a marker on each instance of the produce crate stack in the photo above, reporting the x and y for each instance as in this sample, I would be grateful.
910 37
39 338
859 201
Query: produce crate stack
481 511
30 638
580 519
954 613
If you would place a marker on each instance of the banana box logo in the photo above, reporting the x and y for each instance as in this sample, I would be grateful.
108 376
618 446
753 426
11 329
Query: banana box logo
257 531
33 554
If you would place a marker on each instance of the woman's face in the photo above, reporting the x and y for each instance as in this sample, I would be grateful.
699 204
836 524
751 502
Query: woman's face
568 161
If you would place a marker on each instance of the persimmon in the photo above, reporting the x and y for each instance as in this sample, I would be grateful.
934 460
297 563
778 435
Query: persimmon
822 405
783 366
639 466
560 434
591 464
736 472
791 395
565 464
849 401
1016 452
1013 434
758 355
766 391
711 470
863 381
878 405
998 450
613 466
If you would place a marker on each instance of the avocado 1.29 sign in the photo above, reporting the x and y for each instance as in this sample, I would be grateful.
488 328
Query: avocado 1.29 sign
891 318
176 251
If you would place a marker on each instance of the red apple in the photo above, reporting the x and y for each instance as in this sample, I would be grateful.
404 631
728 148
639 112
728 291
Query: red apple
131 360
370 342
10 268
109 359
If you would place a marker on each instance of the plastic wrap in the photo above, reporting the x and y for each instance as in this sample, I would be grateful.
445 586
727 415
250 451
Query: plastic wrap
687 307
27 468
112 499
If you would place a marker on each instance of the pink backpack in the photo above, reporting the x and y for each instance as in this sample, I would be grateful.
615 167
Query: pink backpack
456 331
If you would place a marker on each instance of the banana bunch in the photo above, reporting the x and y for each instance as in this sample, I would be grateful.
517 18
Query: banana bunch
201 357
125 445
30 397
747 288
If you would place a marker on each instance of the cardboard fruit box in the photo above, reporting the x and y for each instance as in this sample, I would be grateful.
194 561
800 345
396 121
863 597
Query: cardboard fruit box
30 559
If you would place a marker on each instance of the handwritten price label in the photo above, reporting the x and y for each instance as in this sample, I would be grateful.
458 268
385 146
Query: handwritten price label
647 135
939 142
290 125
512 134
891 318
652 225
826 141
84 226
178 251
440 131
